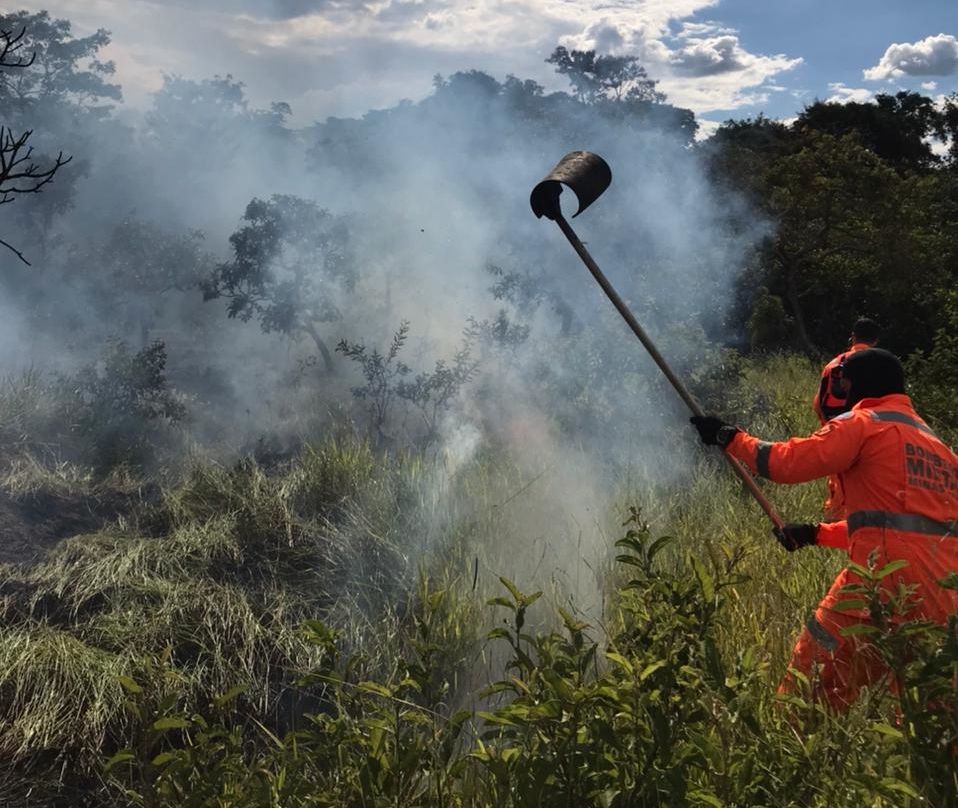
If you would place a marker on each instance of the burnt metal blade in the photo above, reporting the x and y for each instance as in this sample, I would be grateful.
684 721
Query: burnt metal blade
587 174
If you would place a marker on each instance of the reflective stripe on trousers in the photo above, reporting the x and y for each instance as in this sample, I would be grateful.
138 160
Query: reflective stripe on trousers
822 635
905 522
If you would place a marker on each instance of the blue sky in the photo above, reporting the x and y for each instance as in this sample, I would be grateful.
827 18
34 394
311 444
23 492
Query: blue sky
721 58
838 41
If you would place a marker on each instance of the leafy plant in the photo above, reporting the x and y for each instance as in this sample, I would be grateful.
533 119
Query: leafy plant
291 265
116 404
387 379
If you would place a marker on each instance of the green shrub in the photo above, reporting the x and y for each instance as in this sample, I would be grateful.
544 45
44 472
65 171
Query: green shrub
657 714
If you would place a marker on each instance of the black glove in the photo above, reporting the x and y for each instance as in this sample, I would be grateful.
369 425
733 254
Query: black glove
794 537
714 431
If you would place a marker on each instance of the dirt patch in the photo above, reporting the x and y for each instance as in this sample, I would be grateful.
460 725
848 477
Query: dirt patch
32 524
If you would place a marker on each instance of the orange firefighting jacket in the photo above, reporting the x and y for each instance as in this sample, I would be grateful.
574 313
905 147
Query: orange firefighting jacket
829 401
900 484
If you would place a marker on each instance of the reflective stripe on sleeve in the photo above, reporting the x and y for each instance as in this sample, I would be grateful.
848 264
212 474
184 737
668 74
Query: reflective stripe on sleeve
905 522
822 635
900 418
761 459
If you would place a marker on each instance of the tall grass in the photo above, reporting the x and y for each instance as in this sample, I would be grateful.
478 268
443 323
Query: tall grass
188 638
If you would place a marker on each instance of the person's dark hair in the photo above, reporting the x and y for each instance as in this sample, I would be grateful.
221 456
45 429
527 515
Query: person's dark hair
866 330
872 374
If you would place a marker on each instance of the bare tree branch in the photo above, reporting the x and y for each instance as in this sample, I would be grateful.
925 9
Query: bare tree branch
17 166
15 251
10 43
20 173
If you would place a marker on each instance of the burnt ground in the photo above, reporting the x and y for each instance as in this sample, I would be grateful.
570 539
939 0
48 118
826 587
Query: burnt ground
32 524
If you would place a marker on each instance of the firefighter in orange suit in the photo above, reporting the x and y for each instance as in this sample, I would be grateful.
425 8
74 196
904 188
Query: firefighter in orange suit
901 494
830 401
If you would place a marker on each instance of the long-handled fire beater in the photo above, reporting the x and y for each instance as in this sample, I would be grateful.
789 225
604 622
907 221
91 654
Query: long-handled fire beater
588 175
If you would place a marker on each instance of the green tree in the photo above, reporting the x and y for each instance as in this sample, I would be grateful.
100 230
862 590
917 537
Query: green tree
144 272
896 127
949 128
187 113
64 77
852 235
594 77
739 152
291 265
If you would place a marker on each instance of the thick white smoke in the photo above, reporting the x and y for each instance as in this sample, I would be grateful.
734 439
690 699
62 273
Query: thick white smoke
435 192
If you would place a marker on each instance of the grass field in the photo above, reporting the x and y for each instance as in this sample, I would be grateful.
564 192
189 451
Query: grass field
333 630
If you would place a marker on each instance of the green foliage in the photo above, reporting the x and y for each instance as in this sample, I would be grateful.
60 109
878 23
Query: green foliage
291 262
768 326
116 406
897 128
923 660
117 411
933 375
860 223
65 68
388 380
658 714
594 77
381 373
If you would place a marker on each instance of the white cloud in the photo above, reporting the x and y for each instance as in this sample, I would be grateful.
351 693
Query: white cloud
929 86
706 68
939 148
843 94
707 128
747 84
703 29
343 56
932 56
708 57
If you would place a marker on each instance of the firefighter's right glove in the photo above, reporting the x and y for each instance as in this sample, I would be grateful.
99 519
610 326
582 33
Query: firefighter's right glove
714 431
794 537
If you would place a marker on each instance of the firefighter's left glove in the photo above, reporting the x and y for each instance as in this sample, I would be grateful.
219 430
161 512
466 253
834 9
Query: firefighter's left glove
794 537
714 431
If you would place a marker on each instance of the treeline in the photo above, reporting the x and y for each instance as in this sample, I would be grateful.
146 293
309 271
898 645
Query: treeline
863 206
203 209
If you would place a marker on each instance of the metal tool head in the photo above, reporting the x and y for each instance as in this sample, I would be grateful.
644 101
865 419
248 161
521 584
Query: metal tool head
587 174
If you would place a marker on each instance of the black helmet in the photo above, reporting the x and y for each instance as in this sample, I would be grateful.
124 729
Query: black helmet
872 374
865 330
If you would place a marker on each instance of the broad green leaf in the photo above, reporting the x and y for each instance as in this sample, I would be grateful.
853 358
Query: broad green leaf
513 589
849 606
650 669
163 758
861 630
495 718
859 570
705 580
170 722
704 798
891 568
375 687
123 756
621 661
129 685
659 544
890 731
229 696
901 787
